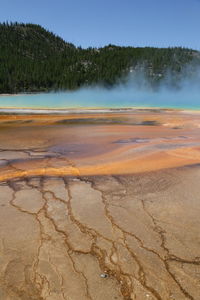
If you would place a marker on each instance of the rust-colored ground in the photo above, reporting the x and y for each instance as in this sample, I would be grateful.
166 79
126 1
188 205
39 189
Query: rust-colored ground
83 197
97 144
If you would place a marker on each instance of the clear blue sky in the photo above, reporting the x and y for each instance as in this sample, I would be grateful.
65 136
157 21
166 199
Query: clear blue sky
159 23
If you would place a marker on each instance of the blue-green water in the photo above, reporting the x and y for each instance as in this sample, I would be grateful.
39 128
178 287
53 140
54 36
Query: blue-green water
103 98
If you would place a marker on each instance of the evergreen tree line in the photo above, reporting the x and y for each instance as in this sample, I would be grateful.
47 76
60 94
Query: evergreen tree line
32 59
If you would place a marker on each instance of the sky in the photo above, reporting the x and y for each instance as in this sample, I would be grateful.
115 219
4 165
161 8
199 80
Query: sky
96 23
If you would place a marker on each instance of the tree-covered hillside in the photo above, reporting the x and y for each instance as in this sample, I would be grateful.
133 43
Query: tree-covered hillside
34 59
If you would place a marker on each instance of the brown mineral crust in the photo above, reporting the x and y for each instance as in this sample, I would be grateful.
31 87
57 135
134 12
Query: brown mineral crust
100 211
58 235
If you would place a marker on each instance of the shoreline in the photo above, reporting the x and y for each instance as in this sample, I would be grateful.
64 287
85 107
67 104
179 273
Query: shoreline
103 110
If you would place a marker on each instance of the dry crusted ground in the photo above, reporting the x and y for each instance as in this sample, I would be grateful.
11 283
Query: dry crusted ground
58 235
62 231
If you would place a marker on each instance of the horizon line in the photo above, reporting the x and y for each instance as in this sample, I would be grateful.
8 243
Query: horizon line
11 23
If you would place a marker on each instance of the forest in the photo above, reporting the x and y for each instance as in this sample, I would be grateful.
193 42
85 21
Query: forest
33 59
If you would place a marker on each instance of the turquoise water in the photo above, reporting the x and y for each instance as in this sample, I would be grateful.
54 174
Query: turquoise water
103 98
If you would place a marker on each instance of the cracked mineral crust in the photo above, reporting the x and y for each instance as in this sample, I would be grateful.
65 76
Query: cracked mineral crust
100 212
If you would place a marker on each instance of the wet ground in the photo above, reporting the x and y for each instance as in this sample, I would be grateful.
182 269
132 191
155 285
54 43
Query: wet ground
100 211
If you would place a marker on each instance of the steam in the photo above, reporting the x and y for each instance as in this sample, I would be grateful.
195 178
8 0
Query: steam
134 90
172 91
